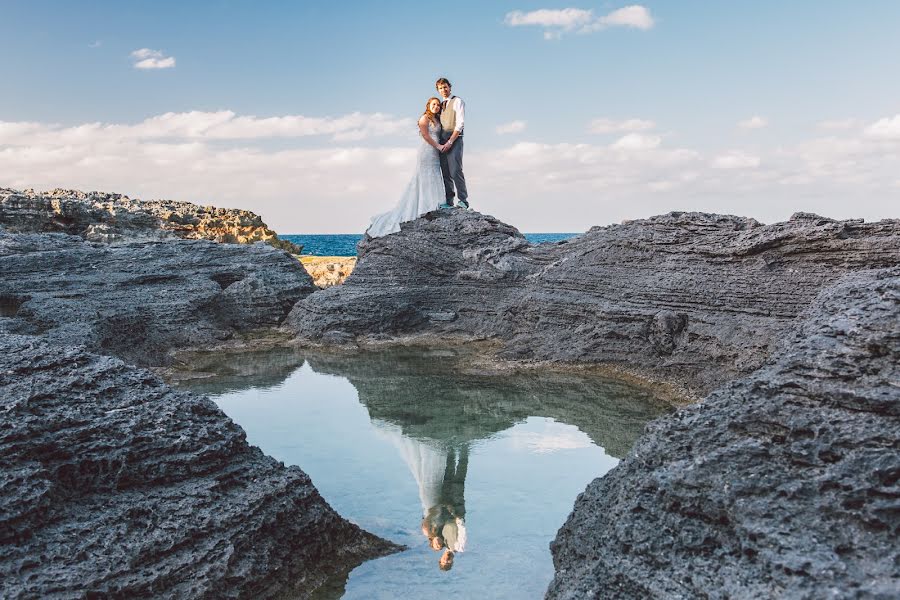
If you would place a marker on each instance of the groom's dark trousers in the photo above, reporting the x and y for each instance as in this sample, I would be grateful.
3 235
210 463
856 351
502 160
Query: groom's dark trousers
452 169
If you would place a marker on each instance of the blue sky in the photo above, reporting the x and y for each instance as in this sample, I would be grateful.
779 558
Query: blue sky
756 108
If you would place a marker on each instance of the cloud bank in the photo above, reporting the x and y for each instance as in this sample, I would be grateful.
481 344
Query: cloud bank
265 164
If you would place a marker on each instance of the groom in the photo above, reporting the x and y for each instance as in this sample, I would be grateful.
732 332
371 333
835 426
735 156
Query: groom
453 112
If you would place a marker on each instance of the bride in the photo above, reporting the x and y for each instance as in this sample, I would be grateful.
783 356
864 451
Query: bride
426 190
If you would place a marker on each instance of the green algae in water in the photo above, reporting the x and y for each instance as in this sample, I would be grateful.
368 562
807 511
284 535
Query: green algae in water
417 447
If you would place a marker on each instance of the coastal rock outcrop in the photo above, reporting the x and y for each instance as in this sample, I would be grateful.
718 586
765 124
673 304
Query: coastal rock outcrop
140 299
785 483
688 297
114 485
104 217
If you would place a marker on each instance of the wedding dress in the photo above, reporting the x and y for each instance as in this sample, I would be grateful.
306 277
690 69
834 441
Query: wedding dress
425 460
423 194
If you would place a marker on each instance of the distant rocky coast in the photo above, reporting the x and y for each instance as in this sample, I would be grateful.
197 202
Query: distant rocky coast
781 481
104 217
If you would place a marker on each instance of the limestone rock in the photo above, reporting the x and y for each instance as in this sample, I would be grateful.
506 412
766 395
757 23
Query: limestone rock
327 271
115 485
781 484
103 217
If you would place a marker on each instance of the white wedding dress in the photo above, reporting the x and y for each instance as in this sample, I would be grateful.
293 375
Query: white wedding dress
423 194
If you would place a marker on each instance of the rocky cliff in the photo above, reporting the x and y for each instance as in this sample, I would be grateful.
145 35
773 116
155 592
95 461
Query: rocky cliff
782 484
116 486
103 217
695 298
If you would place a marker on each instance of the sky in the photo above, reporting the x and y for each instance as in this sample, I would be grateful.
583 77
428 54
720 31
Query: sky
577 113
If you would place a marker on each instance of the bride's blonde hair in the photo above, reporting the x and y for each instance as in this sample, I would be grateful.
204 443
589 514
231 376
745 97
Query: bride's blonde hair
428 113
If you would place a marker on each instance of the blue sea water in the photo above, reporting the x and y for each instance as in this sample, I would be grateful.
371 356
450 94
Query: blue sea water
344 244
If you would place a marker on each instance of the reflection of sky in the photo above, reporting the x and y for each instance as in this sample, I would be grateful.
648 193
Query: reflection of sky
546 435
521 485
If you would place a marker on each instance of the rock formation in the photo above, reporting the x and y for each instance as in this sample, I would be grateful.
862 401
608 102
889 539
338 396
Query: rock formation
782 484
327 271
690 297
103 217
115 485
139 300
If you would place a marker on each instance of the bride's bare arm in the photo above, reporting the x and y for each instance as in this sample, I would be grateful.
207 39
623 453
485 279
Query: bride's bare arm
423 131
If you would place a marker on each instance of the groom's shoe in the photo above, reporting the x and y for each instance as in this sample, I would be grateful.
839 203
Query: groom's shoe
444 206
462 203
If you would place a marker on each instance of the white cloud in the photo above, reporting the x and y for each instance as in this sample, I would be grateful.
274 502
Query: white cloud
613 126
637 141
630 16
145 58
558 21
735 160
887 128
218 125
511 127
566 18
754 122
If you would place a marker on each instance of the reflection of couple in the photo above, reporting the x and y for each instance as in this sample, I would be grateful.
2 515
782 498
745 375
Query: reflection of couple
439 469
438 164
444 523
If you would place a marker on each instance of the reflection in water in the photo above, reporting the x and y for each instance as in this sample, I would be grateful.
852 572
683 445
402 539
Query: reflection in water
439 468
520 445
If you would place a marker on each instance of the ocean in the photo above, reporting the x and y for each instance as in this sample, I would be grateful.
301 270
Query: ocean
344 244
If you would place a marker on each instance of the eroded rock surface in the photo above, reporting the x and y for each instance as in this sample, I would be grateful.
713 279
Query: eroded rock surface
783 484
103 217
115 485
690 297
139 300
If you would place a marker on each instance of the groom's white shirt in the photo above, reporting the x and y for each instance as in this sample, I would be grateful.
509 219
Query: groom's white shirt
460 107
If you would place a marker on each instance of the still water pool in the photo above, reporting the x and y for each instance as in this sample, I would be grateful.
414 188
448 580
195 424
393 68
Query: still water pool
421 448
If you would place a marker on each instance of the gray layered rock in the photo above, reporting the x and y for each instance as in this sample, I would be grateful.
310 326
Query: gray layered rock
783 484
114 485
104 217
689 297
139 300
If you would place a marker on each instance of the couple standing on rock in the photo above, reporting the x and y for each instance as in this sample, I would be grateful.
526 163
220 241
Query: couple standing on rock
439 164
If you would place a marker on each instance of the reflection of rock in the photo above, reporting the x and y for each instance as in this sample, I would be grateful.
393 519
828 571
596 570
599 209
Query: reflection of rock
781 484
430 399
115 485
102 217
429 395
687 296
221 372
138 300
327 271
